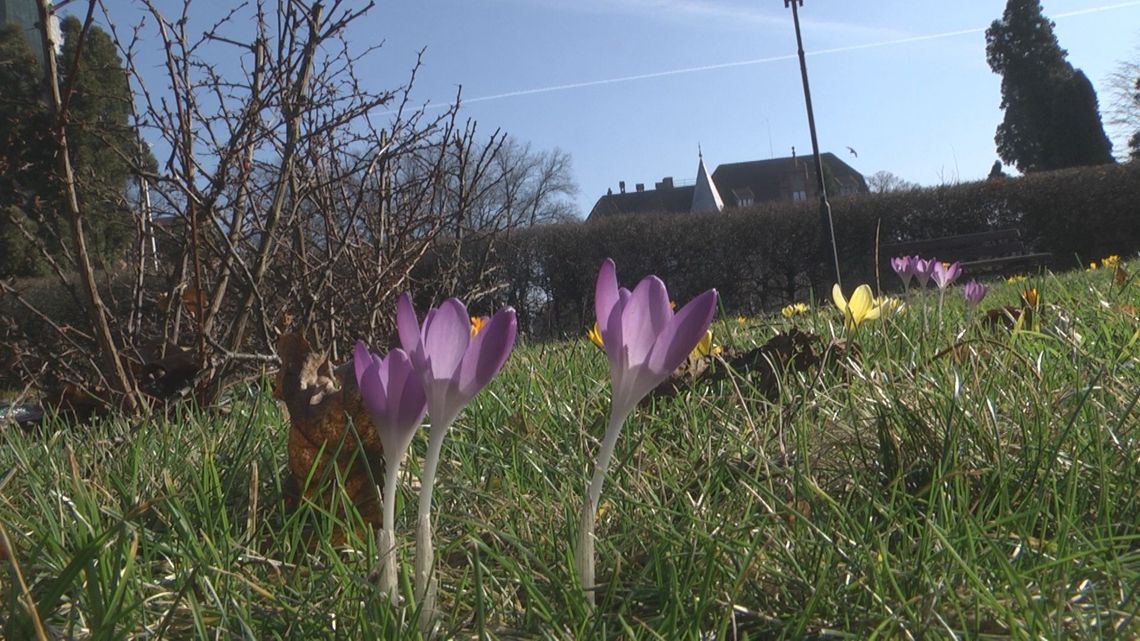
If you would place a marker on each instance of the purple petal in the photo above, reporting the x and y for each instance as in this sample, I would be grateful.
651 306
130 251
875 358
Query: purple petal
644 317
605 294
408 327
682 334
361 359
487 353
447 332
901 265
374 395
614 340
610 327
922 270
405 385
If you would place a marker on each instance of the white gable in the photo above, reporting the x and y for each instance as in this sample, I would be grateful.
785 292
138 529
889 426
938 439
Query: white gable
705 195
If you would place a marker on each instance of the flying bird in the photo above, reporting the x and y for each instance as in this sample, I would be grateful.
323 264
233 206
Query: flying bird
853 152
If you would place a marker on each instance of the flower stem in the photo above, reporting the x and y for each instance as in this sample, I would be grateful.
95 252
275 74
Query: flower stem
425 554
387 538
584 553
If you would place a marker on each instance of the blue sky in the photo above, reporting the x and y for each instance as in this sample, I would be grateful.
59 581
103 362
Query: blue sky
629 88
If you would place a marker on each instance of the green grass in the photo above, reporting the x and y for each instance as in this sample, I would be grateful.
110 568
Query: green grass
952 482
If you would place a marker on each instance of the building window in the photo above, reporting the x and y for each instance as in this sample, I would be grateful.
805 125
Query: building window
743 197
799 196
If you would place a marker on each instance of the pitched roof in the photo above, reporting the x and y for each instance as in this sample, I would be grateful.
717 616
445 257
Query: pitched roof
765 178
674 200
705 194
732 185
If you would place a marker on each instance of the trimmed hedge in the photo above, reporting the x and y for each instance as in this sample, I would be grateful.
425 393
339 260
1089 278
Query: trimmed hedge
763 257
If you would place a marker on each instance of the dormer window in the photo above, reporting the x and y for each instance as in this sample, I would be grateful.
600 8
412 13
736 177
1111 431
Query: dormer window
744 197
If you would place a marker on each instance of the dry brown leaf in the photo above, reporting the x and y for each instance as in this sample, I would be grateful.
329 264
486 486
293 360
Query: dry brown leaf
328 426
194 302
794 349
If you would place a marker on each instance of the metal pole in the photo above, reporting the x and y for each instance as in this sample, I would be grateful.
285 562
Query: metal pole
827 244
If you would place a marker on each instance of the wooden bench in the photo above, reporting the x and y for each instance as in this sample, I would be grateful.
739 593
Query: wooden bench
982 253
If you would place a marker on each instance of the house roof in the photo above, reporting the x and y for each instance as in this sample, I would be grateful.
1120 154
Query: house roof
705 194
674 200
731 184
765 177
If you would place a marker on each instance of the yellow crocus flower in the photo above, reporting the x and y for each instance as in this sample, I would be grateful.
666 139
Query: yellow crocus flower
1029 296
1016 278
861 307
794 309
889 306
1110 261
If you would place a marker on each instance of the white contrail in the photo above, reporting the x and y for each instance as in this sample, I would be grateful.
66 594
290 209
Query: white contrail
758 61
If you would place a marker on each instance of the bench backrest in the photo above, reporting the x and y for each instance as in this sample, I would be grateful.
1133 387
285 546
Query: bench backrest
965 247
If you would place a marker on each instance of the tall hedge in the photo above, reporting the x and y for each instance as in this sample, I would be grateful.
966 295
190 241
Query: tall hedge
762 257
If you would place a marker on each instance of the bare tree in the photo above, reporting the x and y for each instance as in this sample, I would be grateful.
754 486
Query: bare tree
882 182
527 188
1123 111
288 197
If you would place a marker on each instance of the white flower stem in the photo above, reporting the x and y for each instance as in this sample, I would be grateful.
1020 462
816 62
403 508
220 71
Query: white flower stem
425 581
584 553
425 553
387 538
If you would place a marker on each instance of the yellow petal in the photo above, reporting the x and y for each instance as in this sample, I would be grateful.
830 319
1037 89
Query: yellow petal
837 298
860 304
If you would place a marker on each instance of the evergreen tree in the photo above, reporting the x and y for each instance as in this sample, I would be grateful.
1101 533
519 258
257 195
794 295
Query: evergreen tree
1051 118
100 137
24 161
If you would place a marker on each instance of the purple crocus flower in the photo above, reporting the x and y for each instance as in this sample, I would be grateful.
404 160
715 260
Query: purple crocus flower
946 273
923 269
904 267
974 292
644 341
453 366
394 396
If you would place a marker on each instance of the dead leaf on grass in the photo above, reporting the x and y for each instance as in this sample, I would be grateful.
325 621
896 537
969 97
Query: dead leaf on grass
330 433
794 349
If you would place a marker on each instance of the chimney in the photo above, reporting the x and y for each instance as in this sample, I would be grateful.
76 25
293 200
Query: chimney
640 187
666 183
621 186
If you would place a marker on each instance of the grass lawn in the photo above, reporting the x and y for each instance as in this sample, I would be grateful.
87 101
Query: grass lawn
947 482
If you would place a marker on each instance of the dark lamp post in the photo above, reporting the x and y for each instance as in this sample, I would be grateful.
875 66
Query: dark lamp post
827 244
